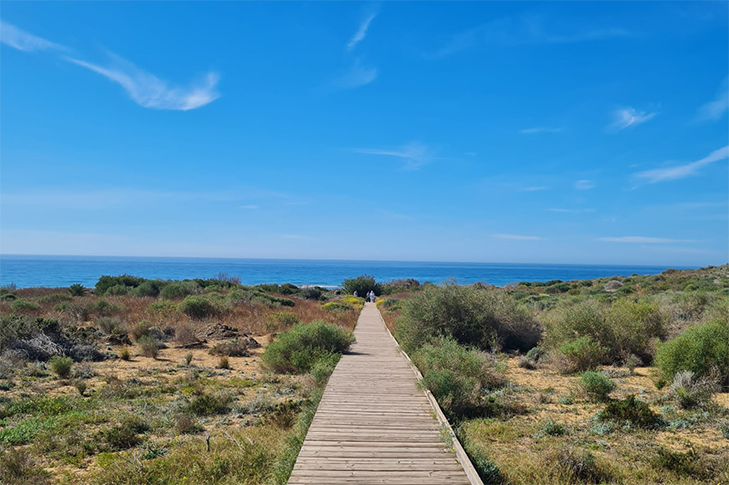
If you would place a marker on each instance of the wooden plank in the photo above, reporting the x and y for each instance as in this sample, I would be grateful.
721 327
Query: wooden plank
374 424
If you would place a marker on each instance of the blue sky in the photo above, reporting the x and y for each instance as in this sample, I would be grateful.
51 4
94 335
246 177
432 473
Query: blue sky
482 131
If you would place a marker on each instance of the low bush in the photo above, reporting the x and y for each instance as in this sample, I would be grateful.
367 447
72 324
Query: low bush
324 367
298 349
149 346
149 288
625 327
457 377
180 289
597 385
112 326
630 411
582 354
362 285
200 307
688 391
487 319
18 467
61 366
21 305
185 424
106 282
55 298
311 293
281 320
125 434
336 307
573 466
551 428
209 404
702 349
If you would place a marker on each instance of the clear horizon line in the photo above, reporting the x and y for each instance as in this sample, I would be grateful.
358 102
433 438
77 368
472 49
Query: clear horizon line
359 260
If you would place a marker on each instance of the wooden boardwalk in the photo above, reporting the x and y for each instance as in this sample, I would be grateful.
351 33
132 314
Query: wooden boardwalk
373 424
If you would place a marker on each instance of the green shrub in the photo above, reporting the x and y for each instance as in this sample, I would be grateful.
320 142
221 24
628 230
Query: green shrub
324 367
118 290
298 349
550 428
200 307
623 328
104 308
285 289
311 293
21 305
362 285
149 288
337 307
18 467
457 377
124 435
281 320
597 385
701 349
106 282
164 308
185 424
486 319
149 346
575 466
209 404
630 411
111 326
61 366
55 298
77 289
582 354
180 289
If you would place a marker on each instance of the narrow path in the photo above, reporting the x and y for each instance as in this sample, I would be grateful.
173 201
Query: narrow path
373 424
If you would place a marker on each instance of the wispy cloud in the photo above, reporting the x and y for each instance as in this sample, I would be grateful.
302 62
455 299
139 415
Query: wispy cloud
714 110
415 154
516 237
356 76
361 32
626 117
144 88
584 185
533 131
571 211
249 207
525 30
534 189
644 240
149 91
393 215
21 40
681 171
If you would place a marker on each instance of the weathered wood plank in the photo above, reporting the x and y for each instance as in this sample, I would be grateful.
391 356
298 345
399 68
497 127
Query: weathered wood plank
374 425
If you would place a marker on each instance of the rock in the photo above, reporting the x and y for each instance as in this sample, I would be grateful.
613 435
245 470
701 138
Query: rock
612 285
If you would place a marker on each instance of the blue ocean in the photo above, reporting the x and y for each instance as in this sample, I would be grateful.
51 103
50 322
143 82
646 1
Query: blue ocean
61 271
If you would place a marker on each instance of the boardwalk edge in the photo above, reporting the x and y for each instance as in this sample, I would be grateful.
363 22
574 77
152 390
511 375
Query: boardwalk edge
461 454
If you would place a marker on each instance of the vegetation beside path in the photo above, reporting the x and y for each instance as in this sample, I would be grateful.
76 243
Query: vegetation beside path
150 382
613 380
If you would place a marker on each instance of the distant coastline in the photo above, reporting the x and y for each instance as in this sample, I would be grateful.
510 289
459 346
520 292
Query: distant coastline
56 271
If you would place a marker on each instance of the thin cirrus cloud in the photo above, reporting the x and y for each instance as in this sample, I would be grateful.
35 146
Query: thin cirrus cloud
626 117
355 77
681 171
361 33
146 89
149 91
535 188
571 211
23 41
415 154
525 30
714 110
584 185
644 240
534 131
516 237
